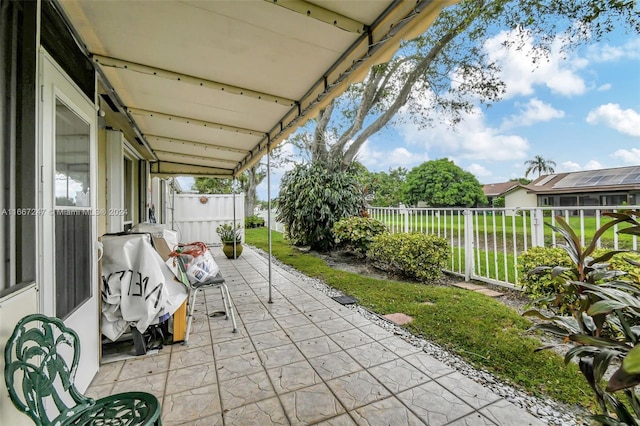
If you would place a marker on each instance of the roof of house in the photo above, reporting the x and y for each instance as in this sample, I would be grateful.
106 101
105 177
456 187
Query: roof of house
497 189
618 179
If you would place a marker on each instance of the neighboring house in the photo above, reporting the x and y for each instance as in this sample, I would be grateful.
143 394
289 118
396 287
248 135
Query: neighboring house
605 187
497 190
514 193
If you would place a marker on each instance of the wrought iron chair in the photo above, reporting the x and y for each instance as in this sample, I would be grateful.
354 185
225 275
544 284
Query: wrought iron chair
40 380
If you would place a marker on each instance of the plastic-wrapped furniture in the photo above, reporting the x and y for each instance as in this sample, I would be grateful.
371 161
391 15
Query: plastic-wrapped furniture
38 374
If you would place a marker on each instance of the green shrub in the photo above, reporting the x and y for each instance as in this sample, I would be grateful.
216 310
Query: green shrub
315 196
357 232
253 221
542 288
414 255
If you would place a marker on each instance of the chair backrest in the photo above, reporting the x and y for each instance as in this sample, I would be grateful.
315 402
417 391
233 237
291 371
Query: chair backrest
37 372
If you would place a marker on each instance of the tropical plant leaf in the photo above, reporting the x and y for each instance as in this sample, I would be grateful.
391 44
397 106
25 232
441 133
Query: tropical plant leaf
539 270
580 352
631 261
605 307
536 313
622 380
632 230
550 328
601 362
600 342
631 361
604 228
558 270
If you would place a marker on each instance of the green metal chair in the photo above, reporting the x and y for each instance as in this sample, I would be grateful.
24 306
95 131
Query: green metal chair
41 381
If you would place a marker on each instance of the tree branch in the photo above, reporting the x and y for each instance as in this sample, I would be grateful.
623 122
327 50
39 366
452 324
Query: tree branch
405 91
319 151
366 102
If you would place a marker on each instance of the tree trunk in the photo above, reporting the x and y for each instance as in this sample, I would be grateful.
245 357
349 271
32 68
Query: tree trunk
253 180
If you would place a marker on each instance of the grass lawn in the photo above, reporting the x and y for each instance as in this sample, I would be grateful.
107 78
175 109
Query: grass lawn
486 333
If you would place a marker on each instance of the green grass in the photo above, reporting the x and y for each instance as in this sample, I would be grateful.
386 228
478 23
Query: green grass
489 264
483 331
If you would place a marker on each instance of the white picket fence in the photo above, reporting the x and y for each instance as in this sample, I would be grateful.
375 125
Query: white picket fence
484 244
275 225
196 216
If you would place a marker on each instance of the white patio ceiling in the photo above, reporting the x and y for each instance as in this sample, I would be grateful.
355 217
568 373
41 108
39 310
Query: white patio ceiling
208 86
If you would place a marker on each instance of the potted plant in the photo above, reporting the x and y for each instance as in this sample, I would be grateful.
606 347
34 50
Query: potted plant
231 236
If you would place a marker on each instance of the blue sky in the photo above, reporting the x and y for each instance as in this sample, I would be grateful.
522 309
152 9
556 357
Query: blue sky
581 111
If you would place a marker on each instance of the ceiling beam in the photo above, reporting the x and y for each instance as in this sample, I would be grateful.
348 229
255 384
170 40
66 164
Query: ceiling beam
197 157
106 61
155 138
169 168
322 14
194 121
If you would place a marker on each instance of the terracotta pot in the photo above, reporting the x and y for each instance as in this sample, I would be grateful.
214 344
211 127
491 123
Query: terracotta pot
227 249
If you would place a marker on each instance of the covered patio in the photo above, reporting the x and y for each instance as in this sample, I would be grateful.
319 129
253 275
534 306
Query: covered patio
303 359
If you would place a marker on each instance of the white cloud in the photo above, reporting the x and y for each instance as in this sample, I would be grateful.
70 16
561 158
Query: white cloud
625 121
471 138
626 156
569 166
593 165
572 166
530 113
604 87
607 53
478 170
374 159
521 71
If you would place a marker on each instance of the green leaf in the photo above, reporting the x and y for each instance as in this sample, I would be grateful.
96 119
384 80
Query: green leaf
605 307
631 362
600 342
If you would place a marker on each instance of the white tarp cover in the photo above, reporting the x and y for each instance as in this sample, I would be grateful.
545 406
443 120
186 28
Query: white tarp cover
207 87
137 287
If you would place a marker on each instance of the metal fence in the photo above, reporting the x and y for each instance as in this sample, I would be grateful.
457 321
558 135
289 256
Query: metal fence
485 243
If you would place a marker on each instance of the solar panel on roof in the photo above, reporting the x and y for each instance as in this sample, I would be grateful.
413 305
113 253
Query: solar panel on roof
631 178
623 175
545 180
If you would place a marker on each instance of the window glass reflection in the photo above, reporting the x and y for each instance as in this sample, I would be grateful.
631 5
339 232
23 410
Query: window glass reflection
72 158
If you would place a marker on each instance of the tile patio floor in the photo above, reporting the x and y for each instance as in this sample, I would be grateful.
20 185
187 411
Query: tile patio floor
305 359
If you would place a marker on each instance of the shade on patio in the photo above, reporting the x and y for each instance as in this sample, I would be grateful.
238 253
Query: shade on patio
208 87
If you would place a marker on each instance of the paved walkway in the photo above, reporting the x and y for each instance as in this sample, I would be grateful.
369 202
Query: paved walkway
305 359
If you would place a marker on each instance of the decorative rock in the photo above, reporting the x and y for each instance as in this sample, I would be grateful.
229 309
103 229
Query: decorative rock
468 286
399 318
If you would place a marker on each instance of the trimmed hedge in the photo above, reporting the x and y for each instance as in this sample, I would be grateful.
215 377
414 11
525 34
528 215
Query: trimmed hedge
357 232
414 255
253 221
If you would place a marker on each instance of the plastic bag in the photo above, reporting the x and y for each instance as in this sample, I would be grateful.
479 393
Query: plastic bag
198 262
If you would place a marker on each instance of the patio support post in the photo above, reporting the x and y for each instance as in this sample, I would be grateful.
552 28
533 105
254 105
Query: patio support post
269 213
233 191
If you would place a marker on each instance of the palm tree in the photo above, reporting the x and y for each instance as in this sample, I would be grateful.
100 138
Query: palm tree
540 165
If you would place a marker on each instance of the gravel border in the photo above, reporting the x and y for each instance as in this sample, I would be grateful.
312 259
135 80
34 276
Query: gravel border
547 410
